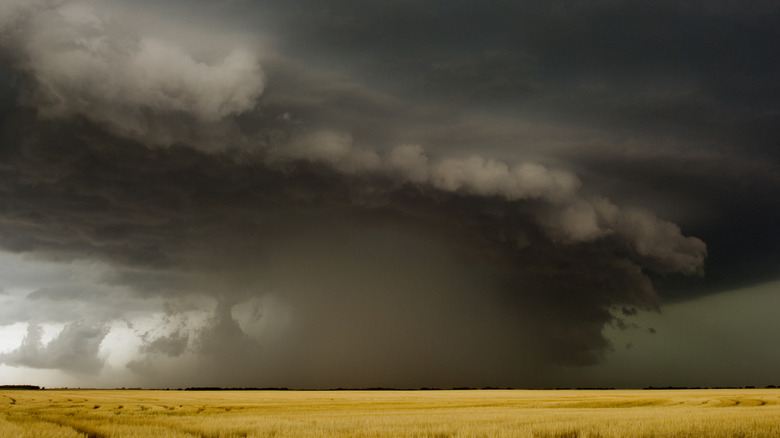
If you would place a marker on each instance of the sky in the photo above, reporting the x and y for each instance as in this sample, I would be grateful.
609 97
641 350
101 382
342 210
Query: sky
353 194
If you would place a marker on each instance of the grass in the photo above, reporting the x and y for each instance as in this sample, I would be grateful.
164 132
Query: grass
495 413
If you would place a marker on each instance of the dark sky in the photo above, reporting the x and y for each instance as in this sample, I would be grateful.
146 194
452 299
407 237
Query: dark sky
400 194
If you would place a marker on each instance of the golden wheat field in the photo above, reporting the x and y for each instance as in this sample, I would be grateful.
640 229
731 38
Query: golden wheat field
477 413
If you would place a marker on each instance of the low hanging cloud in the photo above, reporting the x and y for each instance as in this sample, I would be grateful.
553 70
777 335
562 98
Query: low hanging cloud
569 218
339 248
184 183
75 349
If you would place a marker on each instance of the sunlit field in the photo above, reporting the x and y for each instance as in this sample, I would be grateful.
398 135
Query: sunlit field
479 413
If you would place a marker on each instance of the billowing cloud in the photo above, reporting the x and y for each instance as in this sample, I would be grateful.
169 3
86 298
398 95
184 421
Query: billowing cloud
420 216
76 349
340 247
172 345
82 63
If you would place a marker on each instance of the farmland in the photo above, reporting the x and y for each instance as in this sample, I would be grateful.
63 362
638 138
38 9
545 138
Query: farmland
476 413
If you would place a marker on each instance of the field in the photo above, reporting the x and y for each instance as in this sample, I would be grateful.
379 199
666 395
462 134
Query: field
493 413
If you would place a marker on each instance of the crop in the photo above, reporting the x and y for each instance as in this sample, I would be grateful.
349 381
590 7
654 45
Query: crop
477 413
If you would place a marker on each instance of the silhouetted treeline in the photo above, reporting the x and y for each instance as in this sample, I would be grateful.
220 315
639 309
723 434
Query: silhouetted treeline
20 387
707 387
463 388
460 388
216 388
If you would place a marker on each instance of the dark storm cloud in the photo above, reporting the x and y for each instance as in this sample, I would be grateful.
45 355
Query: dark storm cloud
729 198
693 71
170 345
671 105
337 196
630 42
84 62
220 225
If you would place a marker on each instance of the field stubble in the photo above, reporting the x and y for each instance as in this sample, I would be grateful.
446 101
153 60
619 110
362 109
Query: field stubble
495 413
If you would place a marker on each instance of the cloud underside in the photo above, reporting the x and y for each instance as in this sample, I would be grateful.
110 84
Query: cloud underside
369 262
186 177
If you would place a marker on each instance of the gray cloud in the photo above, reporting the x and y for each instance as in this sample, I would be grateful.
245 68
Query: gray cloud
323 237
84 64
172 345
486 196
75 349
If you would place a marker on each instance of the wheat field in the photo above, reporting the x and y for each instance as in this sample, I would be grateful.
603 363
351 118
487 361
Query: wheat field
473 413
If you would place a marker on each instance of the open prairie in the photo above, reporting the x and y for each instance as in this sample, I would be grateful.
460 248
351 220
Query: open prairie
477 413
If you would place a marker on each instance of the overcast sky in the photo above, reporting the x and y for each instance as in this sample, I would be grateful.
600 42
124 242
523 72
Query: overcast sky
314 194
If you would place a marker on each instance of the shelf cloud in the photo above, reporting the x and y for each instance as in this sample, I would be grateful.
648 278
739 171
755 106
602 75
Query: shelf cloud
339 209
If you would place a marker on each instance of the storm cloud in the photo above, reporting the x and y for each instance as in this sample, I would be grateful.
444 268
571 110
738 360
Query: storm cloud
74 349
283 214
84 63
